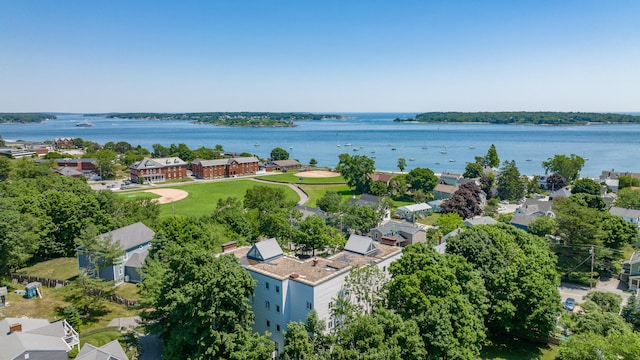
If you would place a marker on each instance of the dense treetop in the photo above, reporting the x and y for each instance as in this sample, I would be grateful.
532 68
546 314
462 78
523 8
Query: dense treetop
25 117
251 119
524 117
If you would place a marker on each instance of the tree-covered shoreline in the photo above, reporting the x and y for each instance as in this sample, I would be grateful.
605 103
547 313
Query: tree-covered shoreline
524 117
24 118
246 119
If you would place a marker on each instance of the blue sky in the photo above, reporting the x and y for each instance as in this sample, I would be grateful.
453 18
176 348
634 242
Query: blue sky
319 56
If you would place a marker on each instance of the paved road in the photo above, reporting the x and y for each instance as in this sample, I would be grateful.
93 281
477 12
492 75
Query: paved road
303 196
578 292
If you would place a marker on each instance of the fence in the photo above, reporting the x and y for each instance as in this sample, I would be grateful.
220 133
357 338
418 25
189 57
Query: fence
25 279
56 283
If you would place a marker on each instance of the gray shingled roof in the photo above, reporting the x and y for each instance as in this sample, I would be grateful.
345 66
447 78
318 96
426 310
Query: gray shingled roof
131 236
265 250
36 335
362 245
394 227
480 220
148 163
136 260
109 351
628 213
522 219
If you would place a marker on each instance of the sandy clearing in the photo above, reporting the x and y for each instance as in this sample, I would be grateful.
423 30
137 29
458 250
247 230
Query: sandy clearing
317 174
169 195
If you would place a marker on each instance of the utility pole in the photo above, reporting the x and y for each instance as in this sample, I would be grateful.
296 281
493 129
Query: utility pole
593 254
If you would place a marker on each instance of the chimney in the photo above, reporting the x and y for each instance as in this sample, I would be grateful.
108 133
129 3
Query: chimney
15 328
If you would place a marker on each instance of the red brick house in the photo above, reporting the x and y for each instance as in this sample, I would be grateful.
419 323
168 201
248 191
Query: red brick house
85 165
63 143
208 169
158 170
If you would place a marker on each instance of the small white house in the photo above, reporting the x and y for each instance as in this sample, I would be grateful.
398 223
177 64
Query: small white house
411 212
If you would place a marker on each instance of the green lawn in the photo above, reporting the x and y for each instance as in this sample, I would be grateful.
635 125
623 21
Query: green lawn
315 192
128 291
204 196
513 349
61 269
293 179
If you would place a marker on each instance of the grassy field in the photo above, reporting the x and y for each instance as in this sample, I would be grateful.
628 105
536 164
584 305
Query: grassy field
139 195
293 179
61 269
203 196
513 349
128 291
315 192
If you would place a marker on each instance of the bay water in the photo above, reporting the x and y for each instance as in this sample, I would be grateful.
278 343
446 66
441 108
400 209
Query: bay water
440 147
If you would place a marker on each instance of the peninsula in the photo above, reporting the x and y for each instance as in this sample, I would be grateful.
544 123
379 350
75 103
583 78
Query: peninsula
246 119
24 118
523 117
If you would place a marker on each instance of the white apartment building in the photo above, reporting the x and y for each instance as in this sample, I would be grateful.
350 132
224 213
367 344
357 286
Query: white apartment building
289 288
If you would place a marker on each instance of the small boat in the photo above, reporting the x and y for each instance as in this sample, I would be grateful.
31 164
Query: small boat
529 159
347 144
472 147
437 163
290 147
85 124
412 159
338 145
356 149
373 157
393 149
425 147
443 151
256 144
452 160
372 151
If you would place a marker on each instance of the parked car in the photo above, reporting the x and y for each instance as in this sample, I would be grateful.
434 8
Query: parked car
570 304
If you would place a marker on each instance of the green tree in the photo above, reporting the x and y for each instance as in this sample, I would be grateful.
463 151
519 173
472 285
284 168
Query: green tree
542 225
510 185
267 199
631 312
586 186
607 301
519 273
360 219
101 251
365 284
105 160
378 188
72 315
491 158
279 154
356 171
5 168
627 181
449 222
201 310
628 198
313 162
422 179
473 170
555 182
18 241
398 186
444 296
402 164
382 335
159 151
314 235
590 346
331 202
465 201
297 345
567 166
2 144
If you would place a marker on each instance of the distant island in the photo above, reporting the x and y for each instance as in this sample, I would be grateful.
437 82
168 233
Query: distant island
247 119
524 117
24 118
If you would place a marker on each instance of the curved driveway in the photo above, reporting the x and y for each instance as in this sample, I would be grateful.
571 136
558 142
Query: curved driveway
303 196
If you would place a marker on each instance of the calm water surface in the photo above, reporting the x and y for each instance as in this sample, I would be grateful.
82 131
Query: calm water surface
436 146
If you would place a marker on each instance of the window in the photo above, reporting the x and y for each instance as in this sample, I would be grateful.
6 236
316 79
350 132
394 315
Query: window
309 306
330 305
330 324
267 305
266 285
120 270
277 288
277 308
278 327
268 323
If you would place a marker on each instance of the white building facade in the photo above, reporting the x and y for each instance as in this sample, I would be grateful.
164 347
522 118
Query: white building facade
289 288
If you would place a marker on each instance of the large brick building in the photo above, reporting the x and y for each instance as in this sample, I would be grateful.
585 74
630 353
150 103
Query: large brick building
158 170
207 169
